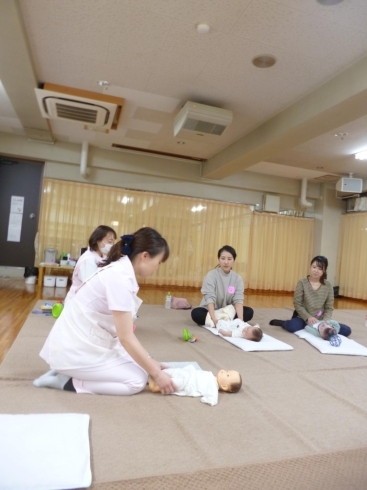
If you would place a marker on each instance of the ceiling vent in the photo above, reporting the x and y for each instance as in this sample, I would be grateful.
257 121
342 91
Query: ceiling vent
94 110
202 120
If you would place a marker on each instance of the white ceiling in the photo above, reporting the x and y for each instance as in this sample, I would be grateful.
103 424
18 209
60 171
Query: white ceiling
153 57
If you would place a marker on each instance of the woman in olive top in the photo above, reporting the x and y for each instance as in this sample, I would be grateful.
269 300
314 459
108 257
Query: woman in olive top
313 300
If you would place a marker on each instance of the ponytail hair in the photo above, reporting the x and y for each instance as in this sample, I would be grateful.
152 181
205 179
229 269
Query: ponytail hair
144 240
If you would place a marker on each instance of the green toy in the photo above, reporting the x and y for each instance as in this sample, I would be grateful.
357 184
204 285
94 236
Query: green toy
57 309
188 337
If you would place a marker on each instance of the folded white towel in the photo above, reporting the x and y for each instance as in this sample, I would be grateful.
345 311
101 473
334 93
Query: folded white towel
347 347
267 343
44 452
226 313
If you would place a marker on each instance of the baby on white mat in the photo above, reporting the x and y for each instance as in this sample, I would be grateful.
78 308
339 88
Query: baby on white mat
192 382
240 329
327 330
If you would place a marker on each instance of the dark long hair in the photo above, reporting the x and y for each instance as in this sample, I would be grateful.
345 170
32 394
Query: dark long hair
144 240
321 262
98 235
229 249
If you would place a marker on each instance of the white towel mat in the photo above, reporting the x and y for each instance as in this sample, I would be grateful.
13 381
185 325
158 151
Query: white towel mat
347 347
44 452
178 364
267 343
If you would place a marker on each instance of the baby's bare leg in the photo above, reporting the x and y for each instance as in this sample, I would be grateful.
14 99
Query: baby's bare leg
153 386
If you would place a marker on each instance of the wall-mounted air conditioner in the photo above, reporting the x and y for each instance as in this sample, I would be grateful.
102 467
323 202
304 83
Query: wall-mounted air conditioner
348 185
271 204
201 120
94 110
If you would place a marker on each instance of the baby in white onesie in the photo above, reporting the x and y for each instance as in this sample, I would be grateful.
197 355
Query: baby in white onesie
193 382
240 329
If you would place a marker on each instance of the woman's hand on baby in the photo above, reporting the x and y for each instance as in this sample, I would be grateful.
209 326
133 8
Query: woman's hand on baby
165 383
311 320
163 366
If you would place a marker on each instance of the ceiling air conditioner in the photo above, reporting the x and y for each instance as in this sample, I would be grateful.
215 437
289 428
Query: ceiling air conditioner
94 110
202 120
349 185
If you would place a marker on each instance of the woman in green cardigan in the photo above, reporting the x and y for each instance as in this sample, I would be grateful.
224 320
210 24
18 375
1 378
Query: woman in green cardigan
313 300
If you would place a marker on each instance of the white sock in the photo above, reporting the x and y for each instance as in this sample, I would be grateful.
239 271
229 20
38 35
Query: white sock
52 379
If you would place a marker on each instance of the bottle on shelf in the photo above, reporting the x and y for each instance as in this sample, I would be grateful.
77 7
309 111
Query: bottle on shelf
168 301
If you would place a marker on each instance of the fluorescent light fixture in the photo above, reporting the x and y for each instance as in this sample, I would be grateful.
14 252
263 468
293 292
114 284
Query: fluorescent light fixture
198 208
362 155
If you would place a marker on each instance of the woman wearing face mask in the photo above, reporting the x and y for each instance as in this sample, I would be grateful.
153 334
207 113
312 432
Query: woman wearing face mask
100 243
222 287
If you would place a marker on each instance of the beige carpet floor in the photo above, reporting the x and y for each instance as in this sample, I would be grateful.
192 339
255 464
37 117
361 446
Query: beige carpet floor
299 421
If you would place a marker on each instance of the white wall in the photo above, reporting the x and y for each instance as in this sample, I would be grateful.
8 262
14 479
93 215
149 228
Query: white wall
13 272
157 174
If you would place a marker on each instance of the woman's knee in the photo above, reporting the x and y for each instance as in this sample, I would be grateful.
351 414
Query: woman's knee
198 315
294 325
137 386
137 383
345 330
248 313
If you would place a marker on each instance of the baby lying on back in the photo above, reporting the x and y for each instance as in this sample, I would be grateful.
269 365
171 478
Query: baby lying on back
240 329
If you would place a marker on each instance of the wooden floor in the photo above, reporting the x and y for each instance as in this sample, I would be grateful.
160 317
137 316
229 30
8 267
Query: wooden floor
17 300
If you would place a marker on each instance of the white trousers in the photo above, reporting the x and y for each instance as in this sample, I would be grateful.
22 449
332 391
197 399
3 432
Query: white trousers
127 378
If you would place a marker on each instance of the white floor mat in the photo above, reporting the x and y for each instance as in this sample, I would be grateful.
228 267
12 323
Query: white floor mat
44 452
267 343
348 346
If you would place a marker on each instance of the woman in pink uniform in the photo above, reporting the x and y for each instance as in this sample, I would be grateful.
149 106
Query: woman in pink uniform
92 347
100 243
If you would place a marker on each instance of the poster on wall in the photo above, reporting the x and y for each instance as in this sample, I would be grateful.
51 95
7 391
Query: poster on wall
15 218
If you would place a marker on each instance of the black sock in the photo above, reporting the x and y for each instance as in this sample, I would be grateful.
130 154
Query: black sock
69 386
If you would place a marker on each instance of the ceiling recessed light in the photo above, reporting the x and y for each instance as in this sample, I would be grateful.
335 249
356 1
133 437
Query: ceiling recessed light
103 83
329 2
203 28
264 61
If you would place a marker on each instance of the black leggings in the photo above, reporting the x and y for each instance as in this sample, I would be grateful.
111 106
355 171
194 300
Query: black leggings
199 314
